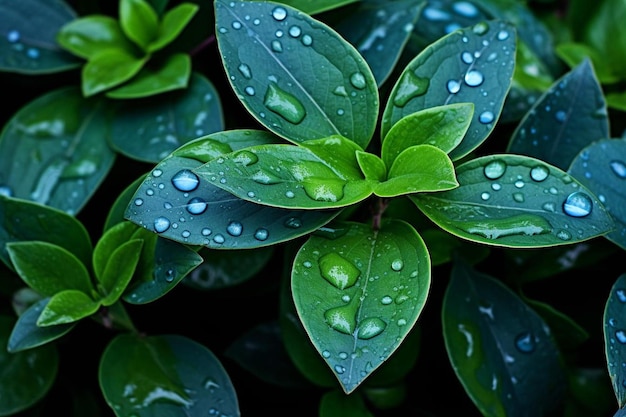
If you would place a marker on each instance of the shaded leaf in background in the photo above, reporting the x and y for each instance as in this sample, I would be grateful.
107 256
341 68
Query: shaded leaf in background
615 338
500 349
516 201
568 117
336 403
295 75
55 150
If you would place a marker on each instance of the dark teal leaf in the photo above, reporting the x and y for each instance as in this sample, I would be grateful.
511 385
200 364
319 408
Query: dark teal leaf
617 100
67 306
379 30
27 335
317 6
601 167
567 334
294 74
568 117
139 22
516 201
469 65
615 337
119 270
335 403
159 77
53 151
172 24
360 294
170 374
48 268
591 393
502 352
26 376
23 220
117 210
29 29
109 68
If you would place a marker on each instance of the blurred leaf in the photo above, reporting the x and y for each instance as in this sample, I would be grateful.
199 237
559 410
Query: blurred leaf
139 21
109 68
591 393
615 338
335 403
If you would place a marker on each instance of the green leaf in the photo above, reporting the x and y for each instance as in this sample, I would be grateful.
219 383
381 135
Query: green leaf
112 239
306 83
419 168
139 21
359 295
90 35
26 376
317 6
605 33
172 24
108 69
27 335
440 126
170 374
29 29
500 349
48 268
615 337
574 54
568 117
601 167
67 306
469 65
617 100
288 176
119 270
43 223
53 150
335 403
372 166
171 74
516 201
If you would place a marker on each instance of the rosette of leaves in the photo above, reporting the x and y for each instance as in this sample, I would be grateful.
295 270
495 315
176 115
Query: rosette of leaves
125 57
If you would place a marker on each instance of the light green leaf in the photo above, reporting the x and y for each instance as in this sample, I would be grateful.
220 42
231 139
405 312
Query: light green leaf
372 166
119 270
139 22
67 306
617 100
172 24
109 242
297 76
516 201
359 295
109 68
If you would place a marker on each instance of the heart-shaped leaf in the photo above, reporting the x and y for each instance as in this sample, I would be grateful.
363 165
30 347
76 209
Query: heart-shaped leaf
296 75
67 306
469 65
359 295
615 337
516 201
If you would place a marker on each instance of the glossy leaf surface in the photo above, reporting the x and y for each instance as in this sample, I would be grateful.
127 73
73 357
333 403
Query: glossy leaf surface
615 337
109 68
516 201
500 349
119 270
172 24
166 375
67 306
469 65
294 74
359 294
89 35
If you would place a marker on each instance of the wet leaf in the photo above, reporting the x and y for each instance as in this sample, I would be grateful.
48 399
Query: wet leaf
29 29
372 166
601 167
360 294
615 337
139 21
516 201
500 349
568 117
54 151
469 65
164 374
317 6
297 76
172 24
67 306
109 68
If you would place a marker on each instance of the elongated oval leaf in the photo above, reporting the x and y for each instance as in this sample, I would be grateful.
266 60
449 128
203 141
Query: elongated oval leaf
568 117
119 270
294 74
109 69
169 375
67 306
54 151
139 22
172 24
615 337
501 350
516 201
469 65
359 295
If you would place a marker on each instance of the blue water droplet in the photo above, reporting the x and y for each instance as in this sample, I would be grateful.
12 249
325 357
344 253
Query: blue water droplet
236 25
185 180
157 173
161 224
32 53
474 78
185 234
525 342
620 335
234 228
295 31
138 201
250 90
621 295
6 191
577 204
197 205
503 35
485 196
279 13
13 36
618 168
465 8
494 169
205 231
219 239
293 223
560 116
453 86
245 71
467 57
486 117
539 173
261 234
307 40
357 80
433 14
277 46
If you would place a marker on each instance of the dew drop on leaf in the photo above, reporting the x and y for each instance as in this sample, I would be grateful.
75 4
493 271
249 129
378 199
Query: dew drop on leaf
465 8
245 158
185 180
410 86
357 80
370 327
474 78
261 234
539 173
618 168
486 117
342 319
577 204
277 46
265 178
284 104
234 228
494 169
330 191
397 265
197 206
279 13
245 71
453 86
480 28
161 224
294 31
6 191
339 271
293 223
620 335
621 295
218 238
525 343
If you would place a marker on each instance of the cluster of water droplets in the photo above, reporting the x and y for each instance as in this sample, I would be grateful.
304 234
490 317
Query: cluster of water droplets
459 13
14 38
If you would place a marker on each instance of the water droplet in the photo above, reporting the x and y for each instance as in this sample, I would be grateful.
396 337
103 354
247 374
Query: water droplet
518 184
161 224
503 35
307 40
342 319
474 78
409 87
340 369
453 86
293 223
261 234
518 197
525 343
436 15
486 117
205 231
523 224
279 13
290 194
236 25
185 234
495 169
245 158
480 28
265 178
277 46
245 71
539 173
467 57
339 271
560 116
219 239
250 90
465 8
32 53
138 201
340 91
197 205
6 191
357 80
621 336
370 327
295 31
324 190
397 265
185 180
618 168
234 228
386 300
577 204
621 295
13 36
564 235
157 173
485 196
284 104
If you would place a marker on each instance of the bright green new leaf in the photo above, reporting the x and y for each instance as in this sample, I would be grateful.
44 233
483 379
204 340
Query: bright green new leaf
358 295
48 268
615 337
172 74
441 126
372 166
516 201
338 152
90 35
617 100
172 24
119 270
109 242
67 306
473 64
419 168
296 75
139 21
108 69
